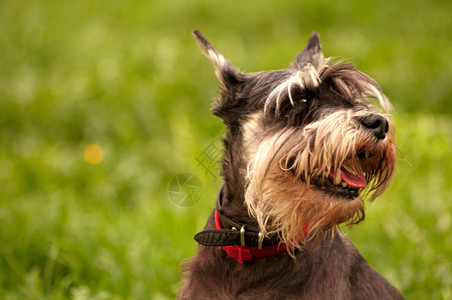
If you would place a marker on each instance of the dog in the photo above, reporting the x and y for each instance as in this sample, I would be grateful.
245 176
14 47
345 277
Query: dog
304 146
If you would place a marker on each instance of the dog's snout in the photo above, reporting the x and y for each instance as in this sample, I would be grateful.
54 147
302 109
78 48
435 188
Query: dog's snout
377 124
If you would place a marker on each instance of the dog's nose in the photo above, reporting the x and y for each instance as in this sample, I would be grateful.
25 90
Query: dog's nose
376 124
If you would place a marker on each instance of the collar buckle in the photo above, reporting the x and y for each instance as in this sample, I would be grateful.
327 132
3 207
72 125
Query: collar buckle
260 240
242 235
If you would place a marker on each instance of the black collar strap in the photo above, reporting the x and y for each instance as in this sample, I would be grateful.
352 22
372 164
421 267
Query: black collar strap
229 232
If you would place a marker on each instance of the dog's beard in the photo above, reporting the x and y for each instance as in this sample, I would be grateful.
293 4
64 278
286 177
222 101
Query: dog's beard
306 181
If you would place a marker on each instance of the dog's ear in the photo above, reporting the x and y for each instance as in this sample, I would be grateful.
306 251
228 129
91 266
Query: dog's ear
311 54
230 77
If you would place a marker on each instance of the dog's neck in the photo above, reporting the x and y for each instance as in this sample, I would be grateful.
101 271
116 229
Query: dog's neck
232 205
241 241
233 172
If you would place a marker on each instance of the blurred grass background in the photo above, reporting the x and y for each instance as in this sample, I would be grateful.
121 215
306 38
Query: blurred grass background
128 77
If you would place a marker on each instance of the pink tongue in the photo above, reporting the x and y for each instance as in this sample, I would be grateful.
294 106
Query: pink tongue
358 181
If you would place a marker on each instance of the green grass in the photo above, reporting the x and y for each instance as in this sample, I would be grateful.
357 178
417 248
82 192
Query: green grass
129 77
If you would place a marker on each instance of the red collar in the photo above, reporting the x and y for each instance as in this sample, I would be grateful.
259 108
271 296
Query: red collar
242 253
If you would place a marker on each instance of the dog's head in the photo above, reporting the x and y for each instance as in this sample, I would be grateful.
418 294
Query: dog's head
305 144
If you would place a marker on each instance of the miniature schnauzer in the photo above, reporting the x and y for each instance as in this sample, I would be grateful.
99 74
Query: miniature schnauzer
304 146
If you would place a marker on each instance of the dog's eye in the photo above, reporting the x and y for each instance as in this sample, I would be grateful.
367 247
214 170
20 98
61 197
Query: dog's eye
303 100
